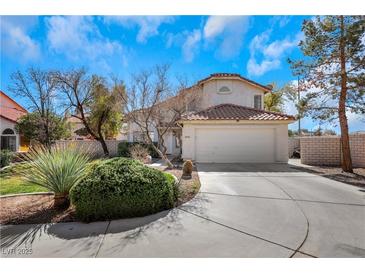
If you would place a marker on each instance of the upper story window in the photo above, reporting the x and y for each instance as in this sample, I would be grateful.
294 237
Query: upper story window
257 102
224 90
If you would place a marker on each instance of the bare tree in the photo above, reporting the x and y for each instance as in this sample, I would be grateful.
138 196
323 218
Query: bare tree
155 105
93 103
39 87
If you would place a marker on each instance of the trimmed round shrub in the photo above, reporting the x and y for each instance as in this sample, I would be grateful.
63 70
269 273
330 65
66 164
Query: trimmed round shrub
121 188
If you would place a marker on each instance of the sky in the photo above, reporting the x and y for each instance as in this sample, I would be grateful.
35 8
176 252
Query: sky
257 47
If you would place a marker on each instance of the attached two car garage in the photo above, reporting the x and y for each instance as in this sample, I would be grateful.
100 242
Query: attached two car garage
235 134
234 145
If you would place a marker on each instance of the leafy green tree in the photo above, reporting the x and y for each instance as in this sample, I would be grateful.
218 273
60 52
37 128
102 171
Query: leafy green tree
274 101
32 127
334 71
302 104
96 104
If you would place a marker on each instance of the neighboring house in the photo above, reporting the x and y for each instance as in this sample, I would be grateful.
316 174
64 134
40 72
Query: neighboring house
227 124
77 125
10 112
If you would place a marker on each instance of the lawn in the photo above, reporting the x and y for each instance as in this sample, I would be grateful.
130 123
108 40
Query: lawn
14 185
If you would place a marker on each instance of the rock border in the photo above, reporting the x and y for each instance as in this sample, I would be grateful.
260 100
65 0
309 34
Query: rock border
25 194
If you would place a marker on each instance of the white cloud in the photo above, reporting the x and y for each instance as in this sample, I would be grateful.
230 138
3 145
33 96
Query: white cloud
255 68
78 38
148 25
278 47
222 34
228 32
190 45
355 121
15 41
270 53
281 21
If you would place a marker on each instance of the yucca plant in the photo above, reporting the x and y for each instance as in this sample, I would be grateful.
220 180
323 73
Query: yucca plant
57 168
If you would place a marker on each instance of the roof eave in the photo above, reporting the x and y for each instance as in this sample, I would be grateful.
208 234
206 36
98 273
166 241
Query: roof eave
242 121
265 89
11 120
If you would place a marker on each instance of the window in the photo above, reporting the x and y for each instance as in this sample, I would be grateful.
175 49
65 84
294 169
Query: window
8 131
224 89
8 140
138 136
257 102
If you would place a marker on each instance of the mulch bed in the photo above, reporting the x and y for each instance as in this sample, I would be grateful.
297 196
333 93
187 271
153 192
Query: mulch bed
37 209
188 188
335 173
32 209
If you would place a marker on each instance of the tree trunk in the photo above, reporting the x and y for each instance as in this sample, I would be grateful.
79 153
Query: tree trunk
159 152
61 201
345 141
163 156
104 146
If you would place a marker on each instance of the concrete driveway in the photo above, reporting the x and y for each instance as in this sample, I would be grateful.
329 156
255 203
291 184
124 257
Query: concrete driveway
242 210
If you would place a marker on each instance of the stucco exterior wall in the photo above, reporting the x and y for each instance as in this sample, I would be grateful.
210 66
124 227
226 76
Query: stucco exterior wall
132 127
280 137
241 93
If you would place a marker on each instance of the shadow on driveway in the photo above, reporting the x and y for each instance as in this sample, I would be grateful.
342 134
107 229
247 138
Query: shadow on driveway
19 236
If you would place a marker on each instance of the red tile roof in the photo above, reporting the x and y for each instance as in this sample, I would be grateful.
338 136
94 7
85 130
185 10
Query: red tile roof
9 109
235 112
267 88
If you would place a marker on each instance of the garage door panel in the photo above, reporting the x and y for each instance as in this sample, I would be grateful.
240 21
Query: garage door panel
235 145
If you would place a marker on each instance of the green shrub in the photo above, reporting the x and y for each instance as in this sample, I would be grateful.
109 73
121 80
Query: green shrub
120 188
5 157
124 147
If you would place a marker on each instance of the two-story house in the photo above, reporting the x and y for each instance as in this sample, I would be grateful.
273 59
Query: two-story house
228 124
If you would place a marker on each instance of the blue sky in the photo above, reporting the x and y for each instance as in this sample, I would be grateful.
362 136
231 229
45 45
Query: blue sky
195 46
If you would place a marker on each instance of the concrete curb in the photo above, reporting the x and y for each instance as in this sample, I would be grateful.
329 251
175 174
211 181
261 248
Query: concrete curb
25 194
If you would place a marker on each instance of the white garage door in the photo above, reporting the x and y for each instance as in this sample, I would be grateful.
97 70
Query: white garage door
249 145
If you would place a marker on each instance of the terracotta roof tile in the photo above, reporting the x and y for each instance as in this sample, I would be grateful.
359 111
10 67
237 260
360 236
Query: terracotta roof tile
235 112
9 109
